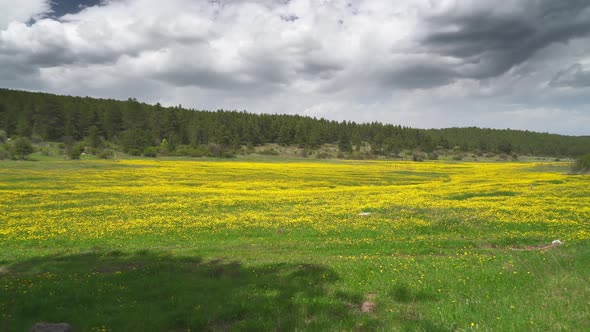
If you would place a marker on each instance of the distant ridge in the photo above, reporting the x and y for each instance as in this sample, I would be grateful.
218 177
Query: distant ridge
137 126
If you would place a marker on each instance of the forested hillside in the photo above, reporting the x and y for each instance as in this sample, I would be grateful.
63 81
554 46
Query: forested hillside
139 128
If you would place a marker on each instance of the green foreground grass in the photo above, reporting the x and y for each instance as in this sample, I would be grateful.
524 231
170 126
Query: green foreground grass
441 275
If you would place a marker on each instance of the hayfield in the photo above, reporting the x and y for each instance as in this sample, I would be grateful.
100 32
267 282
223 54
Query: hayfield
169 245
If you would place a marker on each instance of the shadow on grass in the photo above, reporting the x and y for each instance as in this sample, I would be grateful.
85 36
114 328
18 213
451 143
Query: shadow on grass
156 292
409 315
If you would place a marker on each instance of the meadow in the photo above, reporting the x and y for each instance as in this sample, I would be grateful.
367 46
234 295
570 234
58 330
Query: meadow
177 245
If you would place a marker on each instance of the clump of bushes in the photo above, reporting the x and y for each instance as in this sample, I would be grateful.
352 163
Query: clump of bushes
419 157
323 155
76 151
269 152
582 164
106 154
151 151
18 149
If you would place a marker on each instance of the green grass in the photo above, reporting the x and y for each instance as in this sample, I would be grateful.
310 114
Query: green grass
454 269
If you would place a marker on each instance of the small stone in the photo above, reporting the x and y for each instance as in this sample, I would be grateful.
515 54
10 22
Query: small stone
49 327
556 243
364 214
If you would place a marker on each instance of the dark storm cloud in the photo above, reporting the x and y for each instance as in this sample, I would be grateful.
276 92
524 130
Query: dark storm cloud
319 67
418 76
491 42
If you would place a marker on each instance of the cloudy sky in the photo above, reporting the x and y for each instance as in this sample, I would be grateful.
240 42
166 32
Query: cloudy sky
522 64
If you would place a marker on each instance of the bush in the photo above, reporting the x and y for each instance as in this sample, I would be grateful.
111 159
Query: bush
134 152
22 147
3 136
76 151
45 151
151 151
219 151
323 155
269 152
106 154
188 151
356 155
417 157
582 164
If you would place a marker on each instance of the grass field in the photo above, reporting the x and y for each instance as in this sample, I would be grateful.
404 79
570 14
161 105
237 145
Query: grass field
136 245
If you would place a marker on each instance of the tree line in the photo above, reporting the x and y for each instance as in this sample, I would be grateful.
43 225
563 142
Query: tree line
139 128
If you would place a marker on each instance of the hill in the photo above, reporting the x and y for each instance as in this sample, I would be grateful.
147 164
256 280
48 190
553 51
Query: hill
139 128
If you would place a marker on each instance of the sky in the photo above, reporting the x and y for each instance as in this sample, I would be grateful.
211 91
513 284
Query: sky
519 64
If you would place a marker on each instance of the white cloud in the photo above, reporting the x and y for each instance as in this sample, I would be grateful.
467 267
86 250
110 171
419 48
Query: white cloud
21 11
414 62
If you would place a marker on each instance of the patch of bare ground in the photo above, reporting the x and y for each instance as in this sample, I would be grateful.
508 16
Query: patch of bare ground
3 270
369 304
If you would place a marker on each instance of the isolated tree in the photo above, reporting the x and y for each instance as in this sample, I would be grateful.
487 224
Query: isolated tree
22 147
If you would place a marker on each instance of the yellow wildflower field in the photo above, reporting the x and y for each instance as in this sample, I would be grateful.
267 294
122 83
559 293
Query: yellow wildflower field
130 197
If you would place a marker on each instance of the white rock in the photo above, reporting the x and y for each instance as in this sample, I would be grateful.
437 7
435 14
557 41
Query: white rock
556 243
365 214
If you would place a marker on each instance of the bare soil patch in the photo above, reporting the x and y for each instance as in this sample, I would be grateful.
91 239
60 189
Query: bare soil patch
369 305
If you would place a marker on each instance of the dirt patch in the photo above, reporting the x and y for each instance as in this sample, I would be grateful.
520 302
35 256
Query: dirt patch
369 305
4 270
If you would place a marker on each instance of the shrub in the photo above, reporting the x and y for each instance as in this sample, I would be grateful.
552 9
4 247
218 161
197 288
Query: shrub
76 151
45 151
323 155
151 151
106 154
269 152
134 152
582 164
219 151
22 147
357 155
188 151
